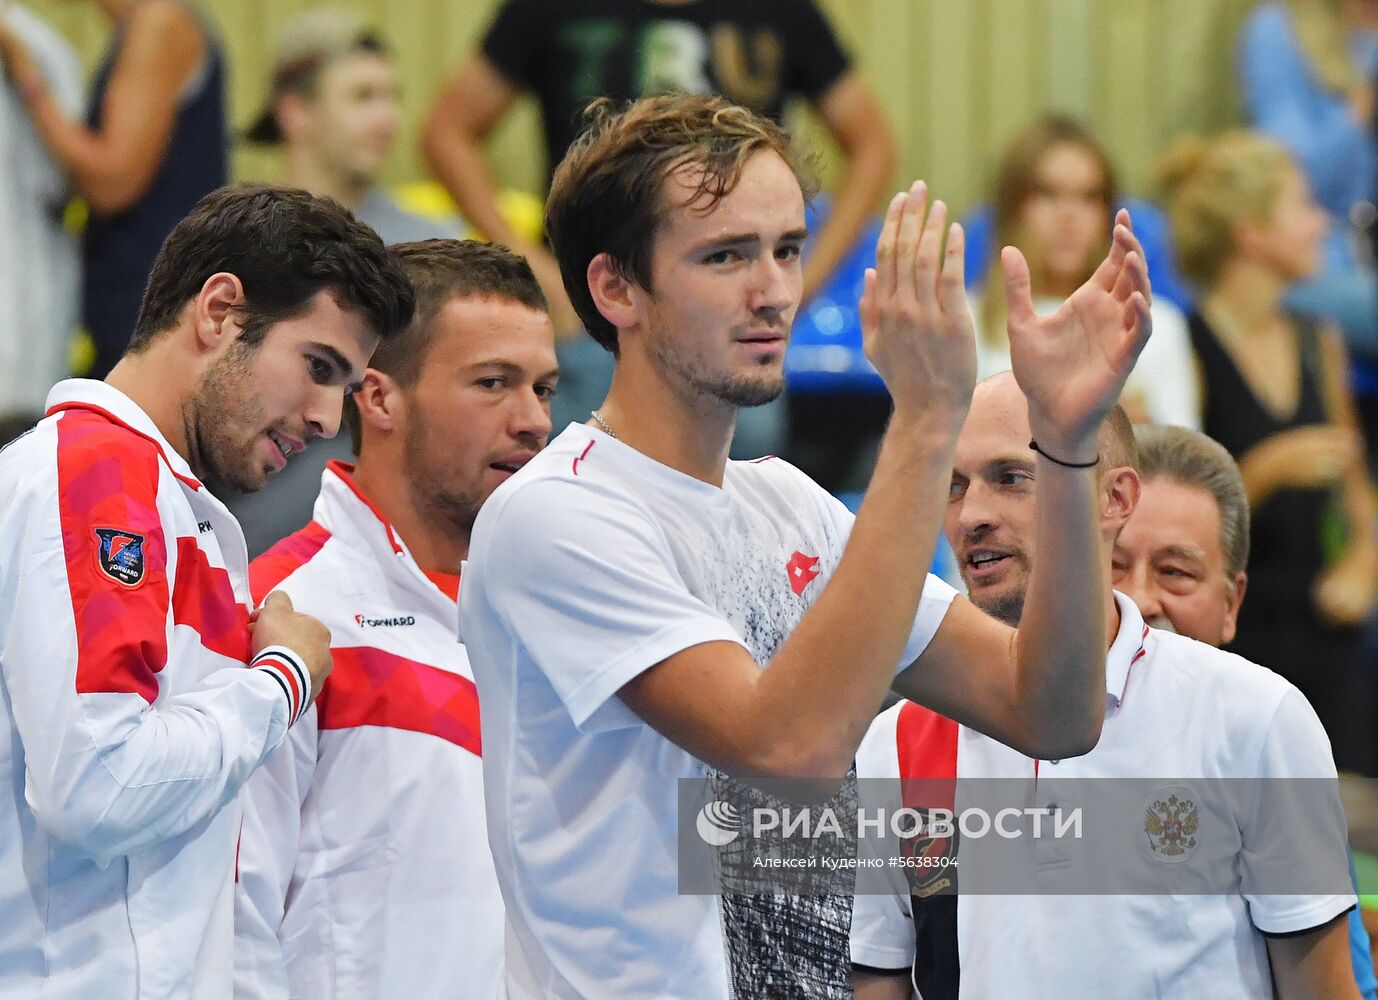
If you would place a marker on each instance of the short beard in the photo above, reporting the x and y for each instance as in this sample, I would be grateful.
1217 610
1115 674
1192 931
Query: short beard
1007 608
1162 623
456 510
217 406
740 391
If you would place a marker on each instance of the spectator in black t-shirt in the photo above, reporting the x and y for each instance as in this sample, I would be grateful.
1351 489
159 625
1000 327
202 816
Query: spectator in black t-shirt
759 53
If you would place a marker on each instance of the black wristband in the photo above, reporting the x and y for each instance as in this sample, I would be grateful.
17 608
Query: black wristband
1066 465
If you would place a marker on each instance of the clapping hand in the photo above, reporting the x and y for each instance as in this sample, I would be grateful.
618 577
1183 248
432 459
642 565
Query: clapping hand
1073 364
915 322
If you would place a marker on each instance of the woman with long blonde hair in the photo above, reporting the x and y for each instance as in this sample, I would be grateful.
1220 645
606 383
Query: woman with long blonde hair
1307 70
1274 394
1055 194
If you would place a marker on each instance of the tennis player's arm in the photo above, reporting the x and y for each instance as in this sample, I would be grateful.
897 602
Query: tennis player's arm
1040 689
114 165
1314 963
881 985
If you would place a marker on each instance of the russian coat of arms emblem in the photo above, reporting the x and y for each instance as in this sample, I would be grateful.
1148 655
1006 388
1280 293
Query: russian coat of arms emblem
1171 824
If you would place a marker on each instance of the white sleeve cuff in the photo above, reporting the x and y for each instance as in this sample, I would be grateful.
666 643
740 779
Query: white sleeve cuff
1307 913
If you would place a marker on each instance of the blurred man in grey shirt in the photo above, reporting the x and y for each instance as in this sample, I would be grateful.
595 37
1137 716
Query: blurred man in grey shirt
334 107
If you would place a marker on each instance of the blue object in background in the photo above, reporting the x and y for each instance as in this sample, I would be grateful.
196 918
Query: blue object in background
825 353
1359 952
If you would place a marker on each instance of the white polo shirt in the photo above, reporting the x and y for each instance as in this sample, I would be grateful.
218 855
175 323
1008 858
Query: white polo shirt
1175 708
588 567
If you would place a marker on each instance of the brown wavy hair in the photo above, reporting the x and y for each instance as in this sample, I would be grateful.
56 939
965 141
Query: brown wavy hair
607 195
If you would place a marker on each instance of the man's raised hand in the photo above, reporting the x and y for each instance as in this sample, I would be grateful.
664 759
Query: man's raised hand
915 322
1073 364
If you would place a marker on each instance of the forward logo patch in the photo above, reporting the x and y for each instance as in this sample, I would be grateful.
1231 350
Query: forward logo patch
121 555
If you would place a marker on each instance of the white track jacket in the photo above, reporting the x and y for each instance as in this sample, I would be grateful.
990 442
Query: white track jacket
128 721
364 870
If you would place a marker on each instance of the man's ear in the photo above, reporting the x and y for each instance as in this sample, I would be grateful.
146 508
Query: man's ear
618 299
215 311
1236 601
381 402
1119 496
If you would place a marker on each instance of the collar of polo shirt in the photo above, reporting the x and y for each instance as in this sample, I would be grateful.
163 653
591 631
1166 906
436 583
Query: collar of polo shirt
1125 652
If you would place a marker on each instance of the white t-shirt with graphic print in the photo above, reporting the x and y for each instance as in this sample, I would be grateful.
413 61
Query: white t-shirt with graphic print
590 566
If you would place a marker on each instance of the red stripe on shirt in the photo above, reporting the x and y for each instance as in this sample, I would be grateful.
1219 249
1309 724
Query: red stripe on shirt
203 599
108 477
111 418
285 558
926 743
1142 651
369 687
574 466
295 693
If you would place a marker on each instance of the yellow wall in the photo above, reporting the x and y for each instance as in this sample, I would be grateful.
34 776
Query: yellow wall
957 77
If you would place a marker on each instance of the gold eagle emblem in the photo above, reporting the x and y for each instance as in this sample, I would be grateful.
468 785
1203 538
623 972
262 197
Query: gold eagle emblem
1171 825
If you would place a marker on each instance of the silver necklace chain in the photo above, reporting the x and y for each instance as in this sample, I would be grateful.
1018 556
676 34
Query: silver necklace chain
607 427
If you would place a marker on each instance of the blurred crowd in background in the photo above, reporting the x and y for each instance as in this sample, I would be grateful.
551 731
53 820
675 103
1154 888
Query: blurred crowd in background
1260 242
